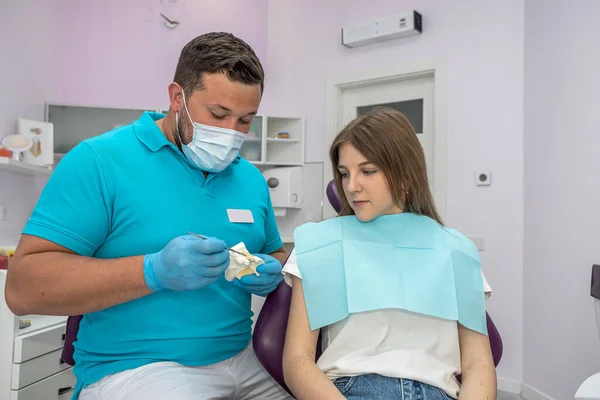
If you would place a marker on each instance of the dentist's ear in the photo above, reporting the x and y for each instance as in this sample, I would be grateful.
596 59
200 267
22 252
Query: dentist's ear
175 96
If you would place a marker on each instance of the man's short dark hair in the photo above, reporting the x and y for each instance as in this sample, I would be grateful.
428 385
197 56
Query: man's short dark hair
218 52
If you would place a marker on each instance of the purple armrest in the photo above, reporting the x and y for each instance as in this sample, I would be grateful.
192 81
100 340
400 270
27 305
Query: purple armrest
70 337
495 340
269 332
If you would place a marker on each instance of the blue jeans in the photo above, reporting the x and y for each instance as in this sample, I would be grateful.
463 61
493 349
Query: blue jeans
381 387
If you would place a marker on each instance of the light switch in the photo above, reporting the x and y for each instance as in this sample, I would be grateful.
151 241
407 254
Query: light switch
2 212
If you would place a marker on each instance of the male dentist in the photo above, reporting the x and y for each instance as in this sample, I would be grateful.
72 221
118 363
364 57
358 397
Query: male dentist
109 239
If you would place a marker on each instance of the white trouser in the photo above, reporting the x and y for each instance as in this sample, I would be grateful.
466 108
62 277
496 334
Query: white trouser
240 377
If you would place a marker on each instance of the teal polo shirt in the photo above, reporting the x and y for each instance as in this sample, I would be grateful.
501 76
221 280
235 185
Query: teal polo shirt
129 192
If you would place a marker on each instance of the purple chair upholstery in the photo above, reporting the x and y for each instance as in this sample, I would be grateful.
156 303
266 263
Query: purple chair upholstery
70 337
333 196
269 331
495 340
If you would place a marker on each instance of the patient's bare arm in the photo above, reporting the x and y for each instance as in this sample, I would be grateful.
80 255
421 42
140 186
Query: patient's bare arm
300 371
477 364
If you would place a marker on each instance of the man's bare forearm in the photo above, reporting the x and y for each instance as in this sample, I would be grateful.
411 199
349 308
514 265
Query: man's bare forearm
59 283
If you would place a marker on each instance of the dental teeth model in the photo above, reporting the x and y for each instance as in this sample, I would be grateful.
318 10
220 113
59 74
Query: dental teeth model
239 265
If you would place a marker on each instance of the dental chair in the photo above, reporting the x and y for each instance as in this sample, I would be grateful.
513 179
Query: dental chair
270 327
590 388
269 330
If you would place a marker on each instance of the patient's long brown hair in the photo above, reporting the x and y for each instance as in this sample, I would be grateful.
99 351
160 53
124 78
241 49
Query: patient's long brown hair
386 138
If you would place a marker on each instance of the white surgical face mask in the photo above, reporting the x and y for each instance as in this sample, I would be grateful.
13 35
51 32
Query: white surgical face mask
211 149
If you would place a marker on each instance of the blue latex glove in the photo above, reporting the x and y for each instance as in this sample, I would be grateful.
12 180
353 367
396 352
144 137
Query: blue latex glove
186 263
270 277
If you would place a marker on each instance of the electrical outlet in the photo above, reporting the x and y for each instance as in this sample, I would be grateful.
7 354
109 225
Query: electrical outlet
483 178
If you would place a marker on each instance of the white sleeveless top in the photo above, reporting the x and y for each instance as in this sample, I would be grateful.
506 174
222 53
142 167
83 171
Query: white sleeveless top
393 343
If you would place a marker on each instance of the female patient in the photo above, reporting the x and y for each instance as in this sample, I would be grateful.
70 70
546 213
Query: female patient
387 352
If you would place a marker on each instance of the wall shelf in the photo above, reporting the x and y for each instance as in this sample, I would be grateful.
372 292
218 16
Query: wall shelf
276 164
74 123
264 148
281 140
20 167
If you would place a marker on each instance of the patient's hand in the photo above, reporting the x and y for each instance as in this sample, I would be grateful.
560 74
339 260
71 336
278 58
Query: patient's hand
269 278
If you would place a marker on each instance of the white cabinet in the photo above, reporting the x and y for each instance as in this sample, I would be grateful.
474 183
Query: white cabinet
276 141
265 144
73 123
30 359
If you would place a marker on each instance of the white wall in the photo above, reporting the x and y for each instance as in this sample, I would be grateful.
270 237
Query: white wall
30 35
30 59
483 45
18 194
120 53
562 193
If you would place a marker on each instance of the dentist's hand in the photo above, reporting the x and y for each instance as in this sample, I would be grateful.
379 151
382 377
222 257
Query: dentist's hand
270 277
186 263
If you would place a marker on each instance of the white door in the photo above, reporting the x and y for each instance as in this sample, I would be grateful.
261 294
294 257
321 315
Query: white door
413 97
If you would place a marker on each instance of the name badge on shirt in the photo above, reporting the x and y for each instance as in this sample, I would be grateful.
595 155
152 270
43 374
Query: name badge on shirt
240 216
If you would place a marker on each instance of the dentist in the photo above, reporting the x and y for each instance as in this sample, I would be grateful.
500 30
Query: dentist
109 239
